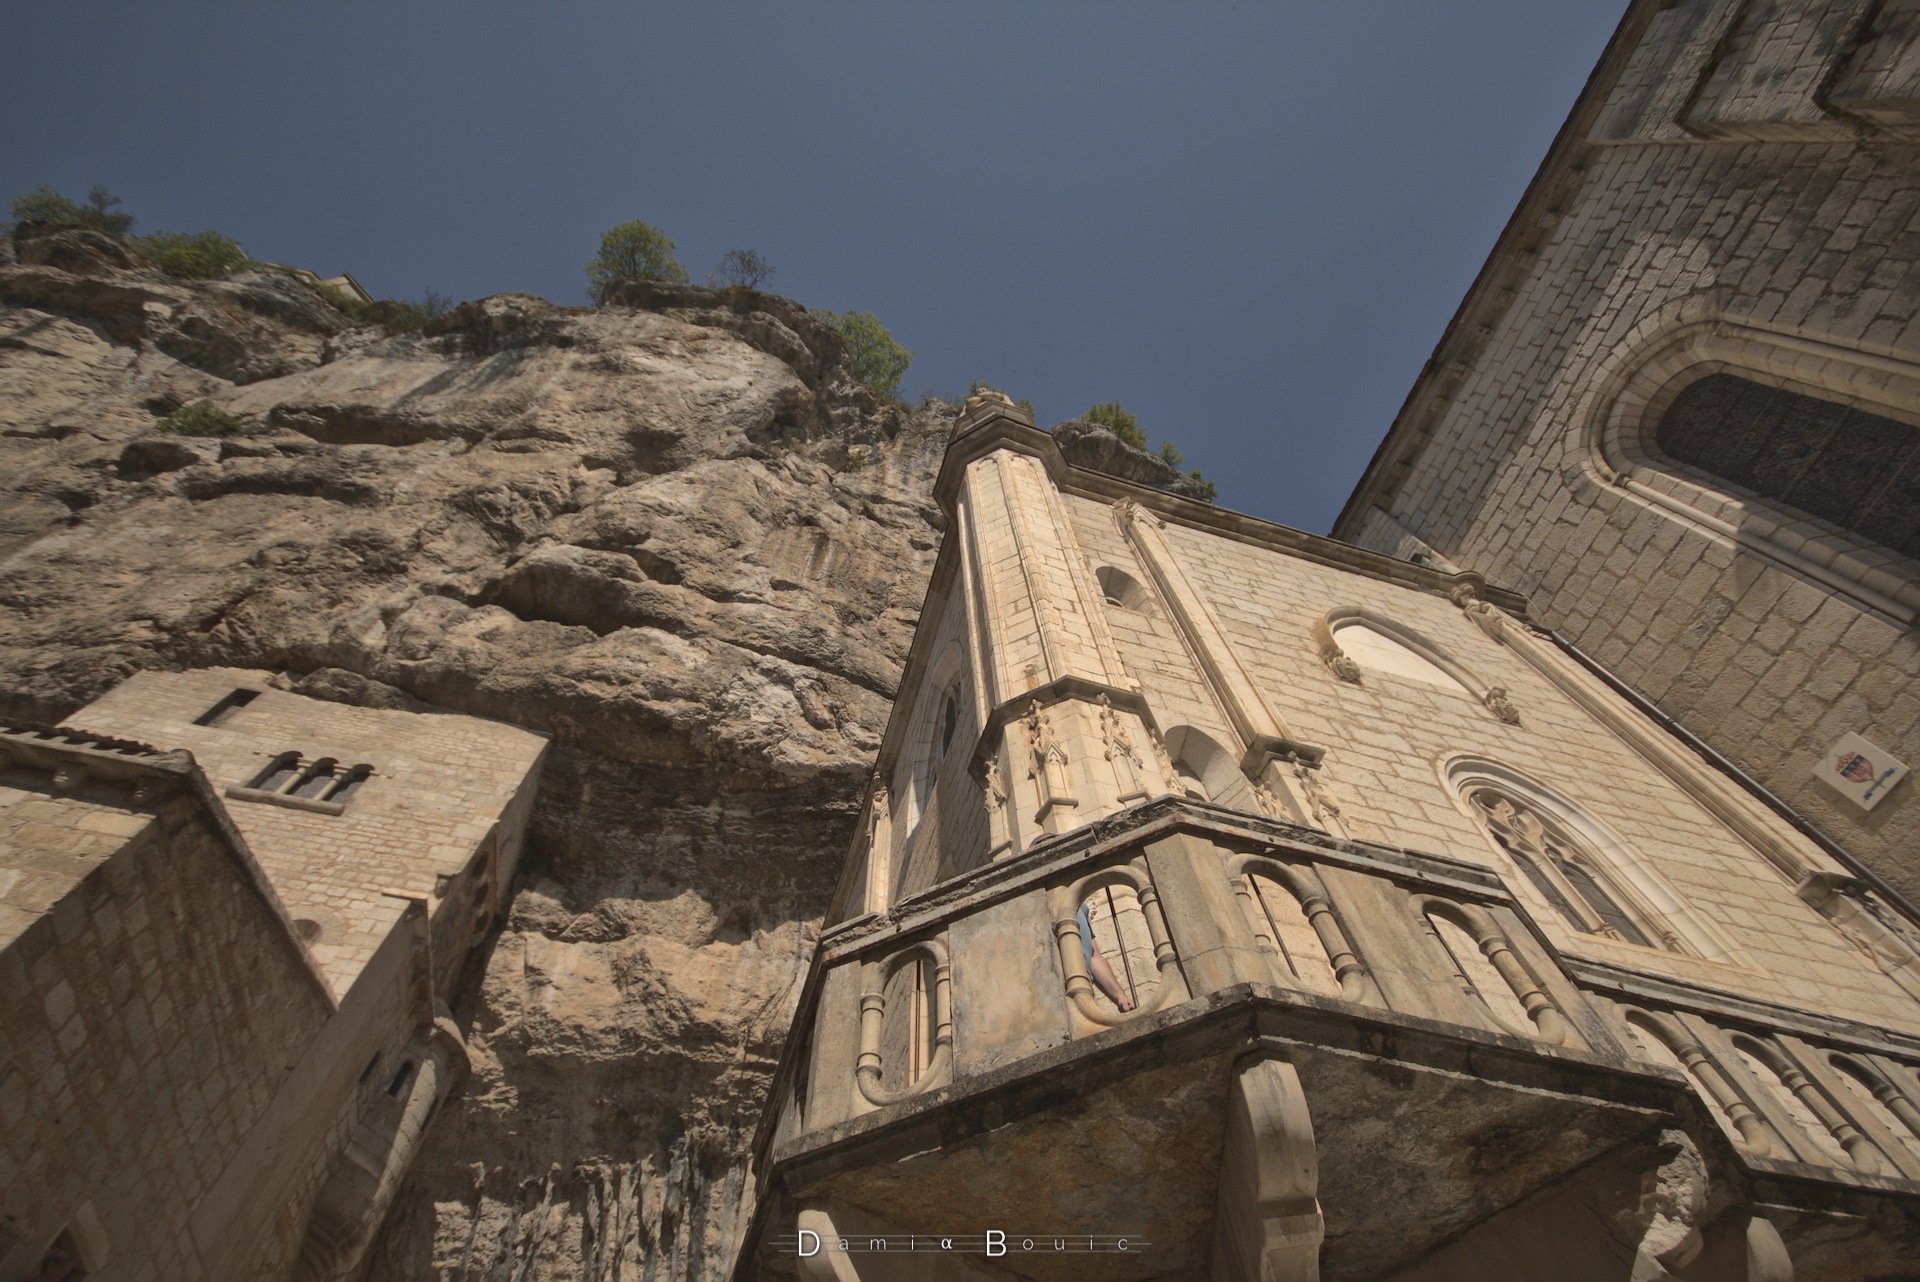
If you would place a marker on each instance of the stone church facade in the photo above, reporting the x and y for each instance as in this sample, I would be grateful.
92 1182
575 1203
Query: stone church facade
1470 894
1292 910
1477 895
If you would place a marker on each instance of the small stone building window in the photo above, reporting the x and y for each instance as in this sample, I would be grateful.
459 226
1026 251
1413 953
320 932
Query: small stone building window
228 705
1858 470
278 773
1568 877
320 786
346 785
315 780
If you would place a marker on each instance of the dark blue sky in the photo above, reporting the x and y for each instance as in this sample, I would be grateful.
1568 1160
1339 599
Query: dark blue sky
1247 222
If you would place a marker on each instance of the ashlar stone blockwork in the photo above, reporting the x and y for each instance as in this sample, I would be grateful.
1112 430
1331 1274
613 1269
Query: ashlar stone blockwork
1174 919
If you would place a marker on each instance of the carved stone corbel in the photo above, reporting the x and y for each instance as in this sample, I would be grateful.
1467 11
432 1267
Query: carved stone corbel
1487 617
1121 753
1047 766
1500 705
1267 1222
1340 663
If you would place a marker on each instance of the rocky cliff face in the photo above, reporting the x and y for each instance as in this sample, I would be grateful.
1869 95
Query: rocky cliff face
671 532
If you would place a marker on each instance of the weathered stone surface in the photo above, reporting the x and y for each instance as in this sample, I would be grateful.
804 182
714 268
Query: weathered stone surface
1091 445
617 526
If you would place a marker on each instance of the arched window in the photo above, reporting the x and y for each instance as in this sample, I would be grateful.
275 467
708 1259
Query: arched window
1567 876
278 772
1374 649
315 780
949 722
348 784
906 1023
1207 771
1859 470
1113 941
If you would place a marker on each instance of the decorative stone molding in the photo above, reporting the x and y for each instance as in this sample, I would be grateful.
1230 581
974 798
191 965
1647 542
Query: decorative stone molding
1672 350
1047 766
1121 754
1646 893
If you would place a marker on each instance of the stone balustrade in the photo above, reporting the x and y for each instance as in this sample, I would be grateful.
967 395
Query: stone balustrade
1193 906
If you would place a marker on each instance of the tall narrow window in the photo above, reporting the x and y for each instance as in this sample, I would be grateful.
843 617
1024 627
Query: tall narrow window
949 722
1568 877
275 777
1858 470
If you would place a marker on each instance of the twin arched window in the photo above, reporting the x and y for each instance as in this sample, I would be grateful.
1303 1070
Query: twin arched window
1572 879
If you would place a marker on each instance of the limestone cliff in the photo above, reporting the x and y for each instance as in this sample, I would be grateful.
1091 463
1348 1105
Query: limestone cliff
671 532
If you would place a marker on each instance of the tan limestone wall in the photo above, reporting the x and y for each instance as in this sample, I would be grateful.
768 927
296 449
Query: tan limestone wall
1813 238
440 784
1389 737
146 1021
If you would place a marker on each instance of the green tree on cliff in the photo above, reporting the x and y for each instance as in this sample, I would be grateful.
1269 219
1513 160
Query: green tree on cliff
1109 414
45 204
878 361
747 267
632 251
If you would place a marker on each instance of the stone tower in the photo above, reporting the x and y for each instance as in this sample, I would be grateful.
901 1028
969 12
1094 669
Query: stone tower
1233 902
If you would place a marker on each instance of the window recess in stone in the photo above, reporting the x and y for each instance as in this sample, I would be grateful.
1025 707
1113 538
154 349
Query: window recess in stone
1293 920
1858 470
1565 876
1122 591
906 1024
1128 930
229 704
319 786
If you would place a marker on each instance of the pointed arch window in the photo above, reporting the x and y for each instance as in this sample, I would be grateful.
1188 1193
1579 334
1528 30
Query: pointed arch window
1567 876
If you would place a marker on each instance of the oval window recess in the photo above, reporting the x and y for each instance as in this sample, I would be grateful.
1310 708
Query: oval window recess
1378 652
